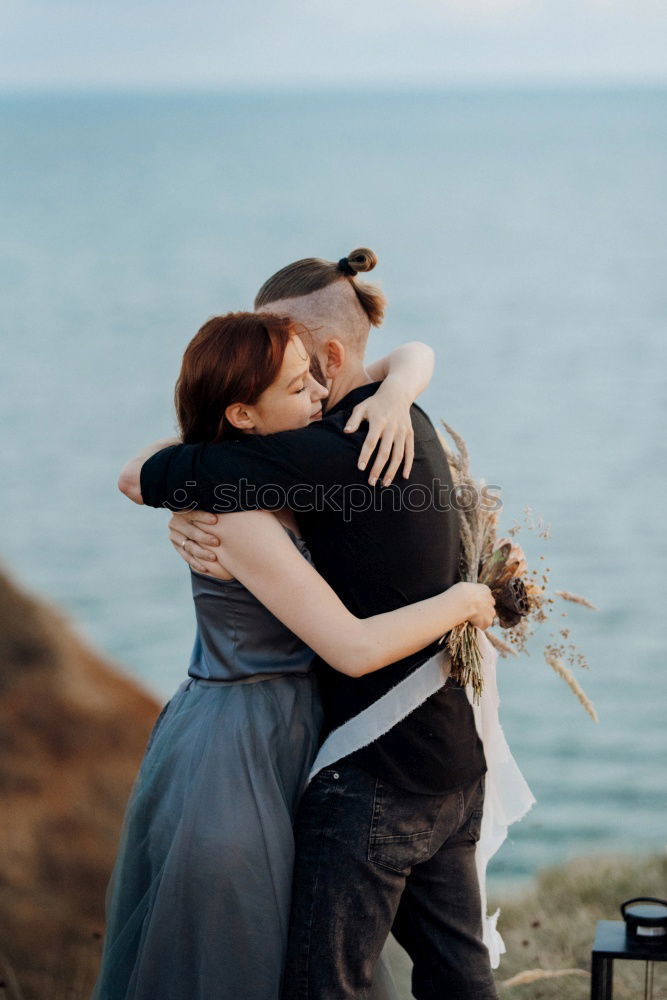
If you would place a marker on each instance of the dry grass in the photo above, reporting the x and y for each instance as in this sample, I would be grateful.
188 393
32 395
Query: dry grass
576 599
73 734
494 561
566 674
550 929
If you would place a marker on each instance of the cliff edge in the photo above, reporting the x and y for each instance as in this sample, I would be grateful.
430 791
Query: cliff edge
73 730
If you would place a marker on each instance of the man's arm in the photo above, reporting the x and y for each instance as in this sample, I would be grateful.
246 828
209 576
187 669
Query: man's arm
268 472
227 476
129 479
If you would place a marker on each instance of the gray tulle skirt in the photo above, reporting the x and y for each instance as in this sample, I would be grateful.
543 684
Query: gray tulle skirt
198 904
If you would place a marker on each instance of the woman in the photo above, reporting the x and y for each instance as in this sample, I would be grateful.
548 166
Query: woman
199 900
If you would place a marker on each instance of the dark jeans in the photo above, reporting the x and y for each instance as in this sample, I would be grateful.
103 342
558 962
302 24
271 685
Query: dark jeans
370 858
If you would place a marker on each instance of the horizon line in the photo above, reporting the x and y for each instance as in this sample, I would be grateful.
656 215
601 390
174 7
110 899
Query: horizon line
360 88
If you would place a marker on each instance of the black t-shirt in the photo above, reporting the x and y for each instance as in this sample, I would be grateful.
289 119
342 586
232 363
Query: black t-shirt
379 549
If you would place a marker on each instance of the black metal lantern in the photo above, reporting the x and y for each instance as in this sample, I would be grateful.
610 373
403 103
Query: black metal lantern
645 919
641 936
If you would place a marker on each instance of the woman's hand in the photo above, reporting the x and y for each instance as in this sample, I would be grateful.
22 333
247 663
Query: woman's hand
404 374
481 603
389 423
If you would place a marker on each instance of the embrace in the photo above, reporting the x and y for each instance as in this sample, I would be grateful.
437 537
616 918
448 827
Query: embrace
318 780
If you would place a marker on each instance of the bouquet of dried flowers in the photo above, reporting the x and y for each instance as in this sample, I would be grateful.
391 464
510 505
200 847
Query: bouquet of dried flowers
522 601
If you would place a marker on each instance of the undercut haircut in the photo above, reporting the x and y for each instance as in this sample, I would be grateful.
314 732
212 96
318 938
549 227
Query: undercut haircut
313 274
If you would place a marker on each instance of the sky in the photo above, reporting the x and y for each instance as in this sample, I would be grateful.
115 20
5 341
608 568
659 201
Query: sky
247 44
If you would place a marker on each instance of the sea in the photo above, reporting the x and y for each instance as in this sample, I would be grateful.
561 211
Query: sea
523 234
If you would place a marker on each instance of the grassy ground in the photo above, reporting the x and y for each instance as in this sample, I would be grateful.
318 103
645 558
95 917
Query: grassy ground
551 928
548 928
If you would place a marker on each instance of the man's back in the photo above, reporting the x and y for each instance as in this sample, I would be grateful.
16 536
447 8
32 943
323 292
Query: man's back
389 546
379 549
402 546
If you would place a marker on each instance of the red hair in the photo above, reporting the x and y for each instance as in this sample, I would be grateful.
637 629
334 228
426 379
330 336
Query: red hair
231 359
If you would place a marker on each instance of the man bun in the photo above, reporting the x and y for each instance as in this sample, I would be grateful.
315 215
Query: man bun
361 259
311 274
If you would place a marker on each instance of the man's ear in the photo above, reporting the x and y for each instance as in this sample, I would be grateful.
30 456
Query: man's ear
335 358
240 416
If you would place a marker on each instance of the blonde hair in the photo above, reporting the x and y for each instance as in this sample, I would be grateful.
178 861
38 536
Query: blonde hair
313 274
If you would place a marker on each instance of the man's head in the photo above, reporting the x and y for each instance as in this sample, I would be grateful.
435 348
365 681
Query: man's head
338 310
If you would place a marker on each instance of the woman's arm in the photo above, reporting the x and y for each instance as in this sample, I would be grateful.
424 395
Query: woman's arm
411 365
257 551
405 373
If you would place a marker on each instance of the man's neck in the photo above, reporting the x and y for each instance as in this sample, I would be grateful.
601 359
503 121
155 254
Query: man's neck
351 378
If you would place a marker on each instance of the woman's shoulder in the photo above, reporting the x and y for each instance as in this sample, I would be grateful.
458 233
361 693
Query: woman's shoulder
245 524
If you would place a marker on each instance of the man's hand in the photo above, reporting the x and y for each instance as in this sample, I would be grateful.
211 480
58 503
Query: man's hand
188 535
129 481
388 416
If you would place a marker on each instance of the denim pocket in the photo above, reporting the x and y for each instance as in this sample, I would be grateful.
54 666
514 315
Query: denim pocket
326 782
328 774
473 826
401 827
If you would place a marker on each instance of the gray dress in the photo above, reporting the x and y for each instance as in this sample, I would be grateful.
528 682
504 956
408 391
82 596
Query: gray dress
198 904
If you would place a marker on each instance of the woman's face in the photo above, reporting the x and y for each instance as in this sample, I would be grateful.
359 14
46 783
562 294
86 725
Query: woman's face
295 397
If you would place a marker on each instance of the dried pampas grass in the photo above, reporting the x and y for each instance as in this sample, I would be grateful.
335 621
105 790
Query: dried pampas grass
502 647
535 975
488 559
566 674
575 598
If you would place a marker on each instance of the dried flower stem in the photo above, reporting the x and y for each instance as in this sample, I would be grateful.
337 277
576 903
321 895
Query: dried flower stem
484 558
566 674
503 648
466 657
536 975
576 599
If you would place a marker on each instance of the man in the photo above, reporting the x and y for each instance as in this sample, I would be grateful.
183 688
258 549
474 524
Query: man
386 836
